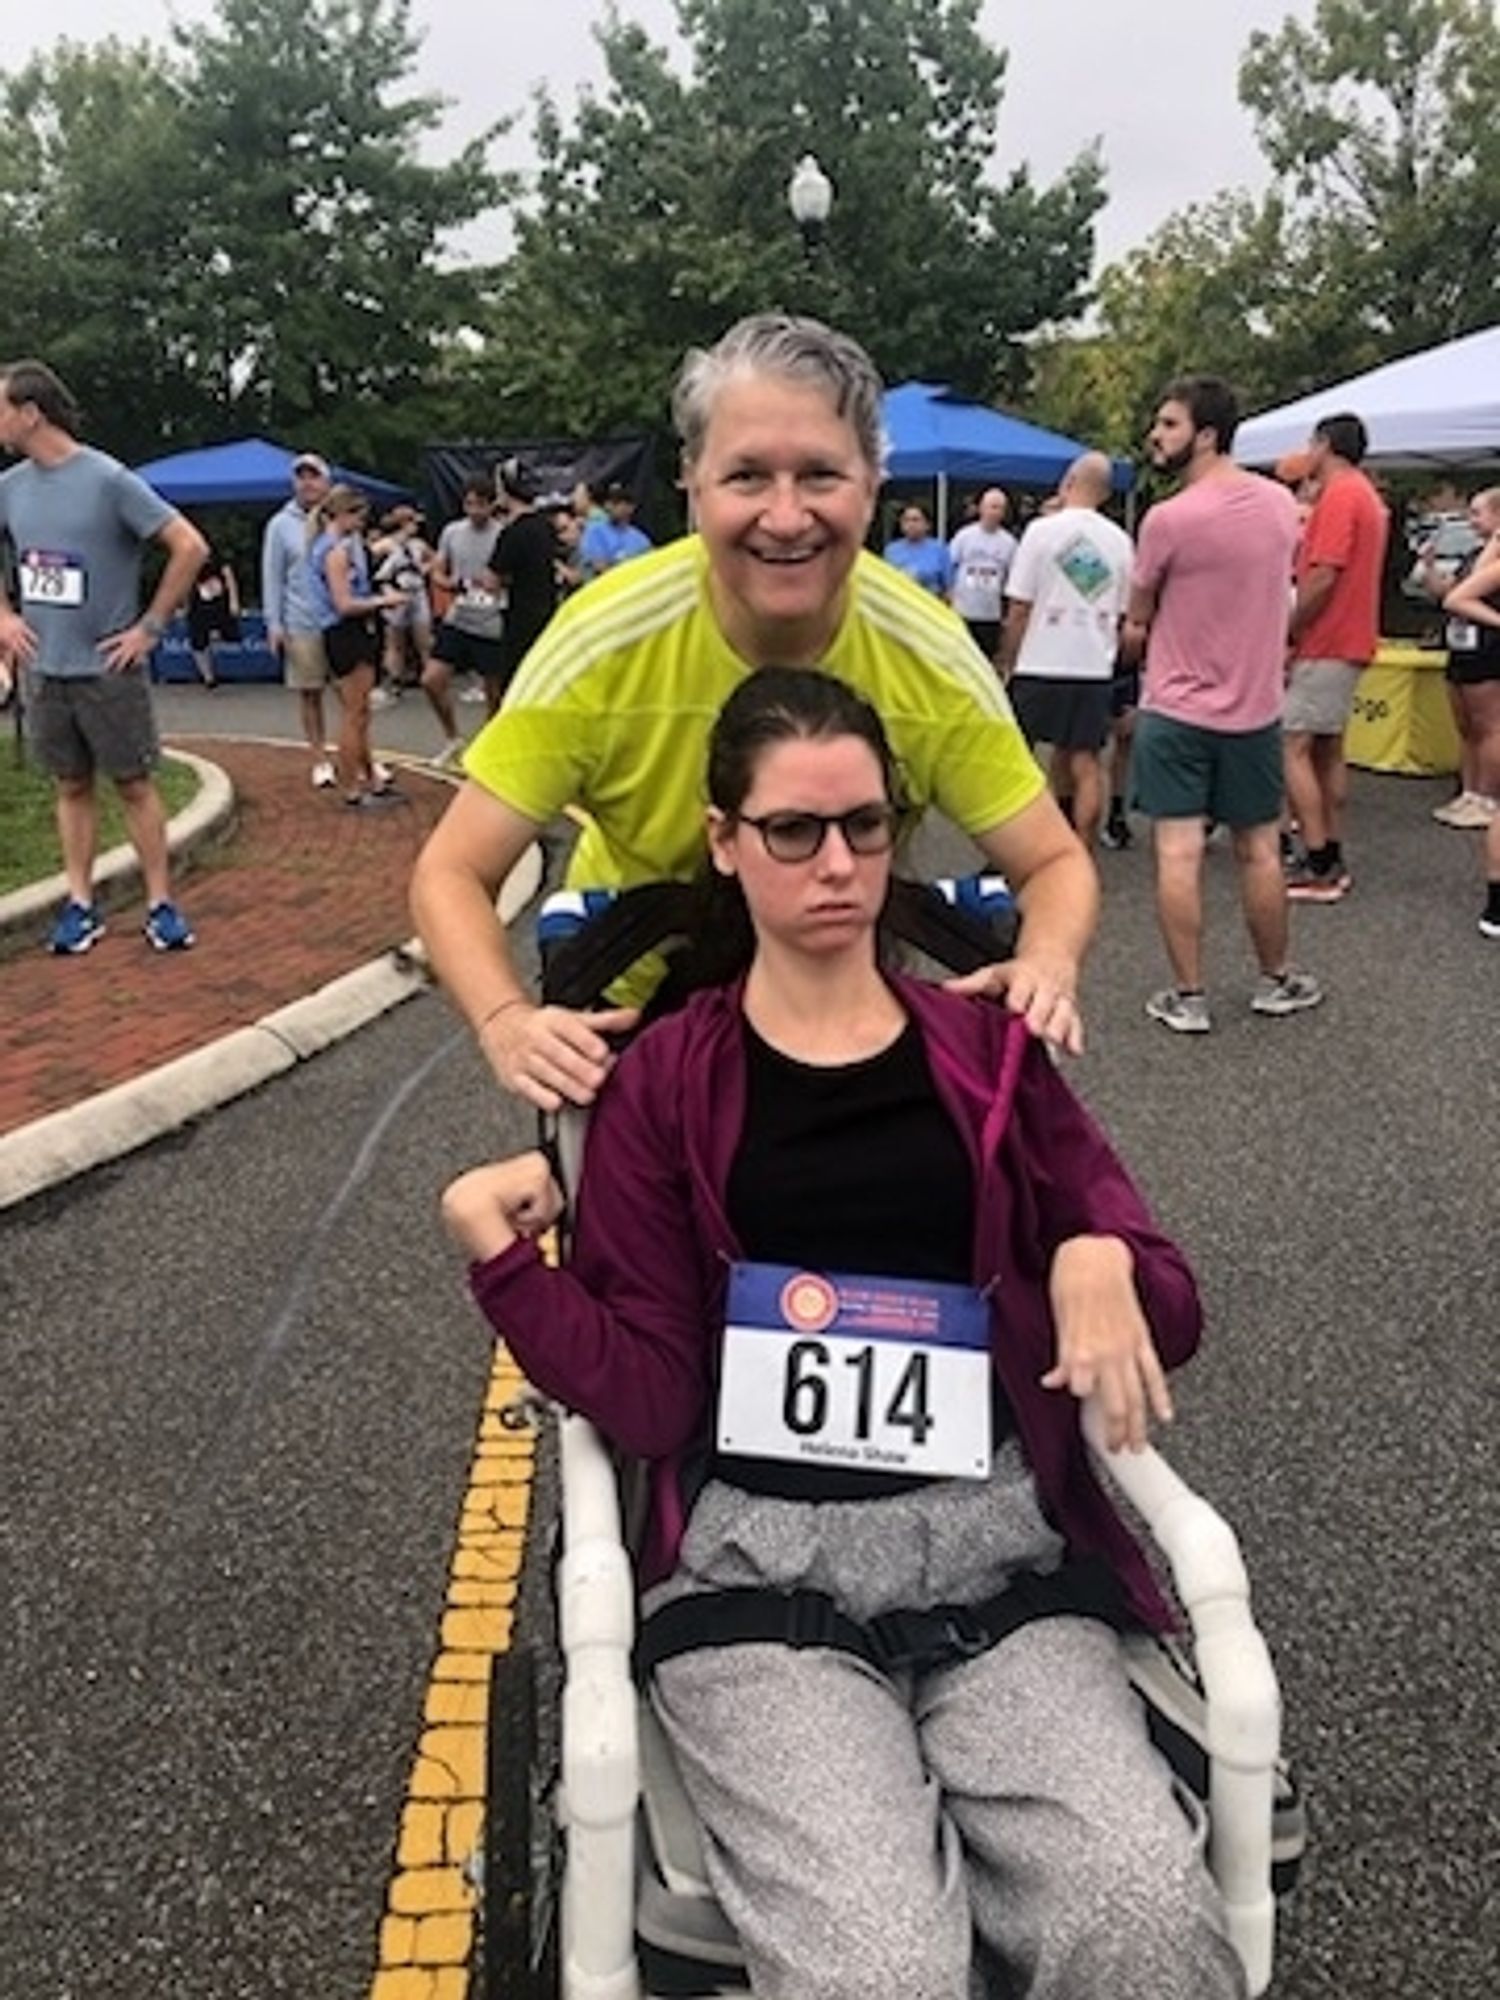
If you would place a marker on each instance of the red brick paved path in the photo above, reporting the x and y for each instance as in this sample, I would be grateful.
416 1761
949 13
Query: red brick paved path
304 890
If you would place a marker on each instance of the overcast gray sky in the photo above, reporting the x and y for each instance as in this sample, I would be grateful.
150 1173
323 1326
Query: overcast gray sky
1154 80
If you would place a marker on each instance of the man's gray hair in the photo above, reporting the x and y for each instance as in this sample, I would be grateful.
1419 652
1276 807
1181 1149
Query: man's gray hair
792 349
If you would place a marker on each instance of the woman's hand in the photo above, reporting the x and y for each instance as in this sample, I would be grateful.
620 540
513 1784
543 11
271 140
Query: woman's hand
552 1055
485 1211
1042 989
1104 1346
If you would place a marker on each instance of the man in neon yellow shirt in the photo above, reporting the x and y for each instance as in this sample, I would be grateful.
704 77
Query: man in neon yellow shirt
612 708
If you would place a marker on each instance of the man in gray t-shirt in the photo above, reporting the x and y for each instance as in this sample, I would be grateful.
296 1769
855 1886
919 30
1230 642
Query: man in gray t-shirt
78 521
468 639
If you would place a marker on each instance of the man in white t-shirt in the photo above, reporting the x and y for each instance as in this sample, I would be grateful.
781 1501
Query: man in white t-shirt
981 555
1066 596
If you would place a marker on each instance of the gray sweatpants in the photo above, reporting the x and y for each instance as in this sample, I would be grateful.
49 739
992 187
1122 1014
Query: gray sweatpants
860 1834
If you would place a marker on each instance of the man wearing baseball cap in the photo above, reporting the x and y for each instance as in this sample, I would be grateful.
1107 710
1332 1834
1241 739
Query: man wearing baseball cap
292 628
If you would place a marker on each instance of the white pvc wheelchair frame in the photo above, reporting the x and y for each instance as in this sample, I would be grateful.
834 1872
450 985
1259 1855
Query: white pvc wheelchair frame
600 1751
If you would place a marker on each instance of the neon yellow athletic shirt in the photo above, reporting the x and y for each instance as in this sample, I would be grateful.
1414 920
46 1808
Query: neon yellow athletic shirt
612 708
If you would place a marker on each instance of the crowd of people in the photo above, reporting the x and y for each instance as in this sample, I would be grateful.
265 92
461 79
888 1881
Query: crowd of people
1215 662
452 619
1254 604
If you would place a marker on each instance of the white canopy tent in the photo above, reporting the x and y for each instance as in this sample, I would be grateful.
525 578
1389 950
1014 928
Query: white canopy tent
1441 407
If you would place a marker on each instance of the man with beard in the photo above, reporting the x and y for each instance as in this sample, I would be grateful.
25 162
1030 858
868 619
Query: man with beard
1209 603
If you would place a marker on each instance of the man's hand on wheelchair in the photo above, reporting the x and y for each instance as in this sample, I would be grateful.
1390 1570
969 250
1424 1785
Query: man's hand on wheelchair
1041 989
486 1210
553 1056
1104 1346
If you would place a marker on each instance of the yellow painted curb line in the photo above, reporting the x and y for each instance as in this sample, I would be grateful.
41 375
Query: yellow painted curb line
426 1938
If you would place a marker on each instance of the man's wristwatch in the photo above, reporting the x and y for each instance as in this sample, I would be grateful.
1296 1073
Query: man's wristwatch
154 628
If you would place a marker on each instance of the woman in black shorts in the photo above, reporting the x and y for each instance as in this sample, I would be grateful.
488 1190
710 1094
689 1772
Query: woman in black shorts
1474 606
338 568
213 612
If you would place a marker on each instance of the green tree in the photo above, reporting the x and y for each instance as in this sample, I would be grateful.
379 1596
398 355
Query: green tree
1378 119
324 308
659 214
237 233
92 257
1195 296
1381 234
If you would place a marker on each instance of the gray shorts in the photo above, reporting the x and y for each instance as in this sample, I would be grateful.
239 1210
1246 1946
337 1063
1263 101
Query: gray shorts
1320 697
99 722
305 664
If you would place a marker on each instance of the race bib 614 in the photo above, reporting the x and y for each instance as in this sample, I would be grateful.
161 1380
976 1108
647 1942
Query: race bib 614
880 1374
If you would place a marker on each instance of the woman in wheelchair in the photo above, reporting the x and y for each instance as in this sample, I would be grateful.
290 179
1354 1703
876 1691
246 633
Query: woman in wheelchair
848 1251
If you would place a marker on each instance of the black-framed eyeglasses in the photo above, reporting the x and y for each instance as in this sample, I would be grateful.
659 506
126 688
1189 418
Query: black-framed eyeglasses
798 836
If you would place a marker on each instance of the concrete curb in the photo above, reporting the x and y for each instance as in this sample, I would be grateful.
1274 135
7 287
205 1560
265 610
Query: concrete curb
103 1128
201 820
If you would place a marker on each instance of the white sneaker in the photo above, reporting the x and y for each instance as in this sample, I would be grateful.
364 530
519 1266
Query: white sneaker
1470 810
1288 993
473 692
380 775
451 755
324 776
1183 1013
384 697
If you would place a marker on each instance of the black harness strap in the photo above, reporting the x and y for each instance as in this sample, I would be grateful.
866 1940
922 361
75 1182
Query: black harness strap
896 1641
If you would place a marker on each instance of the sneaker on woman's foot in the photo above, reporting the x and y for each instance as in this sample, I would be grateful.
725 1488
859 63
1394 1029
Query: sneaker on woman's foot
1471 811
167 929
1285 993
1489 923
1184 1013
79 927
324 776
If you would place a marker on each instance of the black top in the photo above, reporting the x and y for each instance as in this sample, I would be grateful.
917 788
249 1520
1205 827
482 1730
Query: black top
854 1169
525 557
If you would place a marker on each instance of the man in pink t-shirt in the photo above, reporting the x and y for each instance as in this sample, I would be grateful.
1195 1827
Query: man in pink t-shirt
1213 575
1334 632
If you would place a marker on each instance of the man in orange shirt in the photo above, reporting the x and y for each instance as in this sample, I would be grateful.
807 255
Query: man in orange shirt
1334 632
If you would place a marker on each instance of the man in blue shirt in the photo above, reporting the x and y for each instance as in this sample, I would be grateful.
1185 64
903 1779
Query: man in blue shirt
78 520
616 538
292 628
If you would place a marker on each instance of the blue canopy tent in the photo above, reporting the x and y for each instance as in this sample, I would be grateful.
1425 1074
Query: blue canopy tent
250 472
934 434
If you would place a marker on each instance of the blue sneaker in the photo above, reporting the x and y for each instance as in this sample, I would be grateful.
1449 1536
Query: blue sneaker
78 928
167 928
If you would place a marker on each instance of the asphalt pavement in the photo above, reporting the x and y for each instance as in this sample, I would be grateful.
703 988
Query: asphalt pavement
242 1381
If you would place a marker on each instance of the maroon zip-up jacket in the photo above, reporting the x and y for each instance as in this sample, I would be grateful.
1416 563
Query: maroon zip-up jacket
629 1333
